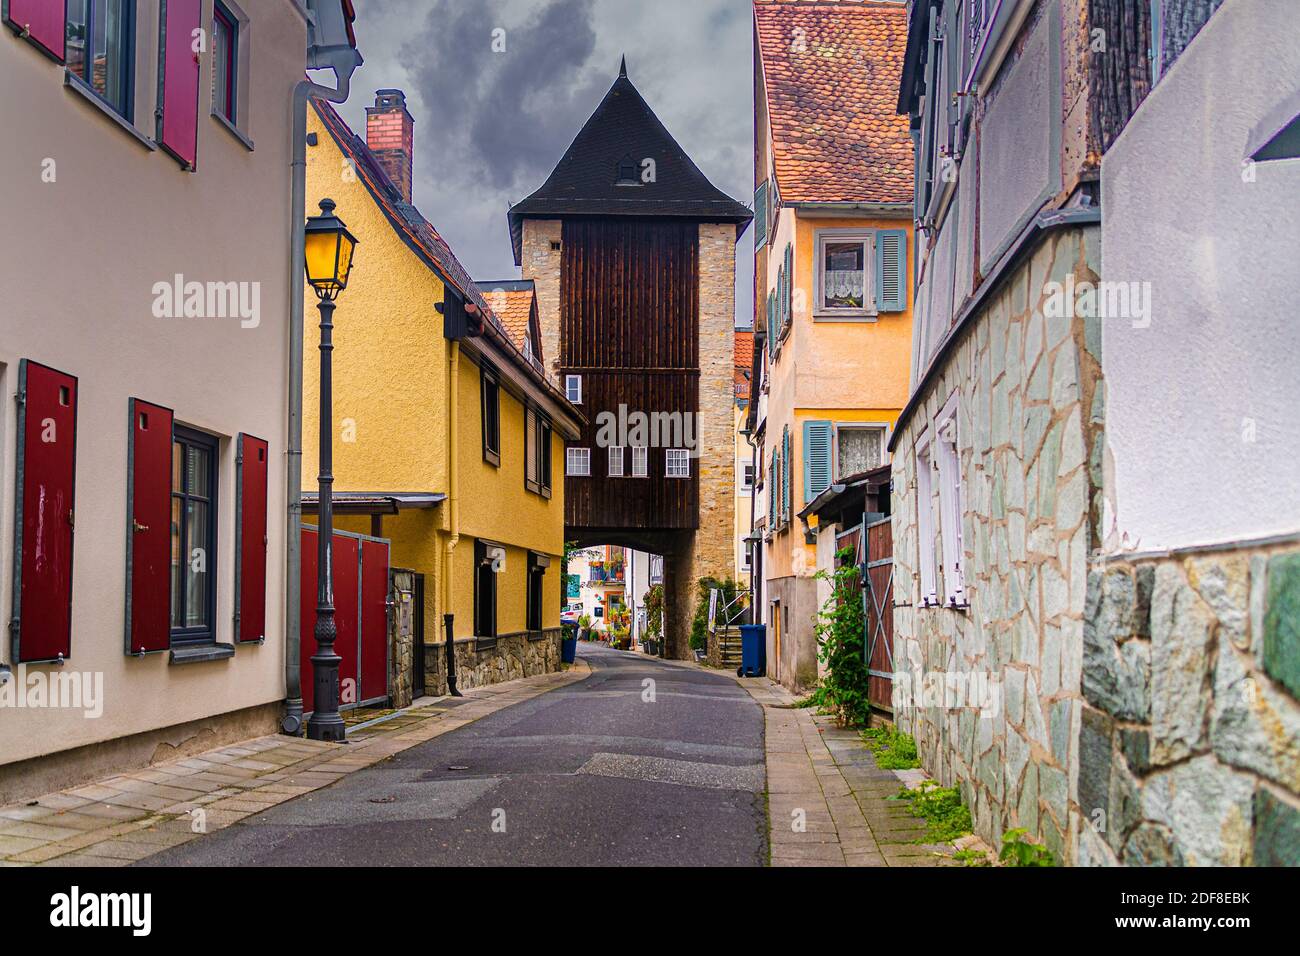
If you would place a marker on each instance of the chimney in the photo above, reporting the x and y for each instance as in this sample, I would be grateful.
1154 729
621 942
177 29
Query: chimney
390 136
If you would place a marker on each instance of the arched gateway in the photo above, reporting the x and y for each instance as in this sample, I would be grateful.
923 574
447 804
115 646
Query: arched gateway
632 251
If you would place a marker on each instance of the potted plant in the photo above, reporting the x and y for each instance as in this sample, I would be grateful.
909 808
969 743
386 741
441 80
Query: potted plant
584 627
654 619
568 644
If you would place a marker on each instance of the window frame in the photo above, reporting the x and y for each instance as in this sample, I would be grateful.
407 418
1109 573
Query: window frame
129 42
612 459
490 414
535 594
482 629
182 636
569 382
838 427
644 456
544 437
679 455
822 313
747 476
926 558
572 454
225 16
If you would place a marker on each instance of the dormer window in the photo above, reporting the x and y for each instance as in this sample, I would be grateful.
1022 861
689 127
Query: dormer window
627 172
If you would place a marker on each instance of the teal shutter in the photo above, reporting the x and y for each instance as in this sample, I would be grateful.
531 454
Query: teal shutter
789 282
816 459
891 270
771 490
785 473
760 216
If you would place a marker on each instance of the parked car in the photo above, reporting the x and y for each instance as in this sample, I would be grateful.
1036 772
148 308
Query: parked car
571 614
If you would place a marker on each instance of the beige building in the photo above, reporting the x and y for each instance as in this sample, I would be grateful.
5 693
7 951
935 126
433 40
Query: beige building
149 272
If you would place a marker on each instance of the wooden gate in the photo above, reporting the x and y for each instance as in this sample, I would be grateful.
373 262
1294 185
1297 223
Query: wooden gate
878 600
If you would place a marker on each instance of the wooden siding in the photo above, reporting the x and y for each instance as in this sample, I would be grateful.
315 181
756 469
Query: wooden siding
629 306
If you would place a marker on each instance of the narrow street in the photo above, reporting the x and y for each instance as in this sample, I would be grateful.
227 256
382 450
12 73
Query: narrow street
590 774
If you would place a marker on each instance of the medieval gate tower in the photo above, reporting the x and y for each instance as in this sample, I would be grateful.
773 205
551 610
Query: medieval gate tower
633 254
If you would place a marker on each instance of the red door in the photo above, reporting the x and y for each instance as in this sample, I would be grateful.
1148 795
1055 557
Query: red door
374 620
345 555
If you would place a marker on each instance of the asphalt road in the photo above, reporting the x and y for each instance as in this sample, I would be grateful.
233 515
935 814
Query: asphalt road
594 773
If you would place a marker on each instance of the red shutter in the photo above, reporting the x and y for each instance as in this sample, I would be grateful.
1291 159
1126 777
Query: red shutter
41 20
47 469
345 556
149 529
374 620
250 539
178 80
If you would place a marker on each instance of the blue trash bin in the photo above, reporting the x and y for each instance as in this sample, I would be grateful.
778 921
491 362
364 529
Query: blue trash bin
753 650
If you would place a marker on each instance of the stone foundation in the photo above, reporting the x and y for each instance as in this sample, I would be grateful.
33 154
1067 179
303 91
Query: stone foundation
479 663
1190 738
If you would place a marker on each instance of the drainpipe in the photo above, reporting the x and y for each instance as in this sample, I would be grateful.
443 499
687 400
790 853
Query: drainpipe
291 722
453 488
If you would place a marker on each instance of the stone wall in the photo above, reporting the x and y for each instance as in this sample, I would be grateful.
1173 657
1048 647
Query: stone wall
541 263
1190 738
513 656
1029 438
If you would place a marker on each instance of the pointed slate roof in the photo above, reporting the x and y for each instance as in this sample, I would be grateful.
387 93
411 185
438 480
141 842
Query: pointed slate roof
585 182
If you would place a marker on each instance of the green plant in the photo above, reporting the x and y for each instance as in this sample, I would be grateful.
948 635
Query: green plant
840 646
700 623
584 622
942 808
893 749
971 857
1019 850
654 612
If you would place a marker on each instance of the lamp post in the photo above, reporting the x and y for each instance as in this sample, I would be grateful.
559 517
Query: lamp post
327 253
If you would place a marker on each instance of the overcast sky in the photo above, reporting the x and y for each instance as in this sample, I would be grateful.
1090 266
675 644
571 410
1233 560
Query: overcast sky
490 126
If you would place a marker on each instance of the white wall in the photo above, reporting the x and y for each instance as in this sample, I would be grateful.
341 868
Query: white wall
1203 406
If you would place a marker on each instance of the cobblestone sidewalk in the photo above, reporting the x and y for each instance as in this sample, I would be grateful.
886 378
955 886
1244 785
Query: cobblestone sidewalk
823 779
118 820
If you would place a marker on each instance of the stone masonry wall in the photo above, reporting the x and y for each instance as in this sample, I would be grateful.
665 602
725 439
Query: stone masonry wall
514 656
1190 739
1029 440
541 263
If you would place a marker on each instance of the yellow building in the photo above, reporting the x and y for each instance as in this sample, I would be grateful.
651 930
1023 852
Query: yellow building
447 430
833 223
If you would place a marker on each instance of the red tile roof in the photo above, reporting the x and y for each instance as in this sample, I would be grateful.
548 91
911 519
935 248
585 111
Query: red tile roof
832 72
744 361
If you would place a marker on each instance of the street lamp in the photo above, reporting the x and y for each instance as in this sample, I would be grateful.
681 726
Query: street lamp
327 251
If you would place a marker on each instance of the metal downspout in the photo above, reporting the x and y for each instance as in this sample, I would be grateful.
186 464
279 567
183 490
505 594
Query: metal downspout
453 480
291 722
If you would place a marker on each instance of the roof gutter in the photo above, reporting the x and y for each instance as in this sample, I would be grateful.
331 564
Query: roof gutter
884 210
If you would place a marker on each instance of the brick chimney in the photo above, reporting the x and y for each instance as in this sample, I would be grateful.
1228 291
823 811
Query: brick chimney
390 136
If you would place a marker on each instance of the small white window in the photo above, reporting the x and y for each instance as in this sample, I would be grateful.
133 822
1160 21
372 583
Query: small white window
925 521
747 477
677 463
640 461
745 560
577 461
616 461
844 285
573 388
858 449
950 505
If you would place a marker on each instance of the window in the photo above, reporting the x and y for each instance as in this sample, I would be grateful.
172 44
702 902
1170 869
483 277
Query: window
760 216
950 505
488 558
745 559
101 51
225 61
677 463
925 521
577 462
858 449
537 453
616 461
843 281
747 477
537 565
194 536
640 461
627 172
491 401
573 388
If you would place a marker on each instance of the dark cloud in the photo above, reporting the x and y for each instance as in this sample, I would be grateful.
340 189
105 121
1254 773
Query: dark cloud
490 126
